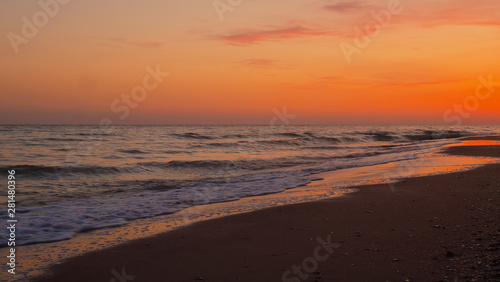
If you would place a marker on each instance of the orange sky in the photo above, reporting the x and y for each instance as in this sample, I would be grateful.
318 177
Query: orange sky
236 65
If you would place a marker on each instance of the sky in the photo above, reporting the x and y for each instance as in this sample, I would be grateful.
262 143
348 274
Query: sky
240 61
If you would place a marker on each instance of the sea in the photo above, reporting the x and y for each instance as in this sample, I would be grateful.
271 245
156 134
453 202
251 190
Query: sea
77 178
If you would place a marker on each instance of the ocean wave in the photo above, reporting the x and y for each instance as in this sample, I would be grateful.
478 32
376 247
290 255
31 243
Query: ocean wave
63 139
290 134
35 170
185 166
436 135
173 152
235 136
324 148
246 164
302 141
286 142
131 151
327 139
376 133
361 155
221 144
191 135
99 134
60 221
383 136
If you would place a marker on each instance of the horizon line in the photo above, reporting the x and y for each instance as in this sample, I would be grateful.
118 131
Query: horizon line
312 124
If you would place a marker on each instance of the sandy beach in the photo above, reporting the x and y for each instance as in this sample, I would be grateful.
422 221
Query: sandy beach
434 228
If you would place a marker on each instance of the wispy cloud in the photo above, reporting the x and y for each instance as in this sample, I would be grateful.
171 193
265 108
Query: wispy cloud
123 41
249 37
264 64
347 7
372 82
365 83
464 13
426 13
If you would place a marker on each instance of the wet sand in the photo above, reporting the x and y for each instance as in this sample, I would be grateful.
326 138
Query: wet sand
435 228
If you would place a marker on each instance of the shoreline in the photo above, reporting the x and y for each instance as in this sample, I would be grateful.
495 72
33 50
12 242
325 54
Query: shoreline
37 258
197 250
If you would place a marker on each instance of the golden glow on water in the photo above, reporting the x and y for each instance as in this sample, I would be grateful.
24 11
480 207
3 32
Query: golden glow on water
477 143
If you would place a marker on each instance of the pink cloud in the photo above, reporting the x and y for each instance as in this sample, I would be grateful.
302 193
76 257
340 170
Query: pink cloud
347 7
264 64
123 41
432 14
249 37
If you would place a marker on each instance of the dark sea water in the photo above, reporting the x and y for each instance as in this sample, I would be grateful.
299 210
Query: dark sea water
73 179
